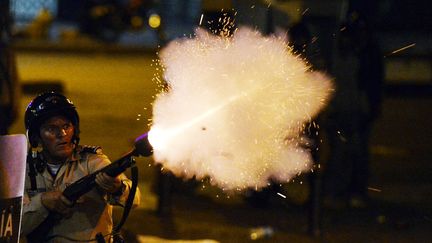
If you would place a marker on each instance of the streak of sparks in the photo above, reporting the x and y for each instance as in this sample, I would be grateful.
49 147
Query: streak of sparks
281 195
305 11
403 48
314 39
158 137
374 189
201 19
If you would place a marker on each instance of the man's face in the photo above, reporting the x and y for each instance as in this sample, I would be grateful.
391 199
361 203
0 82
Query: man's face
56 135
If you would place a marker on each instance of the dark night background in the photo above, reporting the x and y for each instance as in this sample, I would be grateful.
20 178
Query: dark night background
105 65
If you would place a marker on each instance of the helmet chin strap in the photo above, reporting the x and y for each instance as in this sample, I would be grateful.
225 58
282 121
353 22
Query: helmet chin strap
76 138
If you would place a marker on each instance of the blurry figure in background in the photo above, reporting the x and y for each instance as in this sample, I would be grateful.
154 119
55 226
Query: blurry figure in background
9 88
55 161
358 72
305 45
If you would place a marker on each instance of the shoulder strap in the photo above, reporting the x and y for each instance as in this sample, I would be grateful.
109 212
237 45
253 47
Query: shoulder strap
32 170
91 149
128 206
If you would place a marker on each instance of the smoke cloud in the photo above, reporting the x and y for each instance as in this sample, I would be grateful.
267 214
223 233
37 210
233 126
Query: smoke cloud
235 109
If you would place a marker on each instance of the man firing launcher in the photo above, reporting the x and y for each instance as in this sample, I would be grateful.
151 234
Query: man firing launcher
55 161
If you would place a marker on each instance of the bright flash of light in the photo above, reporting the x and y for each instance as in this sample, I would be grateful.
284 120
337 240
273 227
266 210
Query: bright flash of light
235 109
160 138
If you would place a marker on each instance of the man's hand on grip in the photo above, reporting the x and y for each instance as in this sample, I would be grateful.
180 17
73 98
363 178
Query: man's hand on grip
109 184
56 202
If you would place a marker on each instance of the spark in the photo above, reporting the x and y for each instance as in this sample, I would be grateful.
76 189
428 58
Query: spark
305 11
281 195
374 189
342 138
314 39
403 48
201 19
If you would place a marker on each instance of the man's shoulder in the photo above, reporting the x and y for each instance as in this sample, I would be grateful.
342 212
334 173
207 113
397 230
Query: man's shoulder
90 149
93 156
90 152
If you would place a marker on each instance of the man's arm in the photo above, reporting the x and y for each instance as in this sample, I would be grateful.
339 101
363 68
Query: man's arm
34 213
117 188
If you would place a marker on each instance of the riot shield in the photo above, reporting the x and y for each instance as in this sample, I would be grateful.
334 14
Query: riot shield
12 175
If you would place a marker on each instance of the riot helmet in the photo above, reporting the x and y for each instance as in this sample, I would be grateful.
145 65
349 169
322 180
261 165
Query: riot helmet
45 106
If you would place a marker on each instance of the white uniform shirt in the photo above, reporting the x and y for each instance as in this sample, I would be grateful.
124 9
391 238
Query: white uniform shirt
92 213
